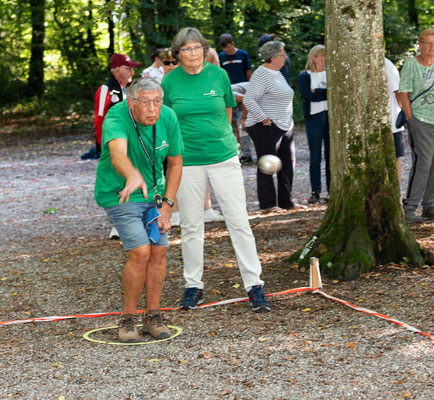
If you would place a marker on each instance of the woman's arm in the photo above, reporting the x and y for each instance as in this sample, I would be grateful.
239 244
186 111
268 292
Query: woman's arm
404 98
255 91
303 83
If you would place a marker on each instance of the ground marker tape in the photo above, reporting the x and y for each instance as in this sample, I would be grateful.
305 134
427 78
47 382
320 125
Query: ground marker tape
88 333
315 286
370 312
97 315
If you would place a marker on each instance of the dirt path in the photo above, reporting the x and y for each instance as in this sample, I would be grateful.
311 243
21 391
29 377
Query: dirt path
56 260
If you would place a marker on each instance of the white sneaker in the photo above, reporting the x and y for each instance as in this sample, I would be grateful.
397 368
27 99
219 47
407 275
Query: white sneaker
212 215
114 234
174 219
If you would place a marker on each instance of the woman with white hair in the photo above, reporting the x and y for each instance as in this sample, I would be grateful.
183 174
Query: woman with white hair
269 123
312 85
200 94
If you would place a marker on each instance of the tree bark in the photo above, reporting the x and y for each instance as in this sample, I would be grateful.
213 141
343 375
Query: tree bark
412 14
35 82
111 32
364 224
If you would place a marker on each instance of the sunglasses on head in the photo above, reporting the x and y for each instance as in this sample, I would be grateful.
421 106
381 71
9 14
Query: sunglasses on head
174 62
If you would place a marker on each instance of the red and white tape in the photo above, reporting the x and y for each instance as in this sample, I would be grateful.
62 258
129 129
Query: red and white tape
229 301
97 315
370 312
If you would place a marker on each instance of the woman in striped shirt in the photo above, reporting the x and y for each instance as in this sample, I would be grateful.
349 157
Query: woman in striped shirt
269 123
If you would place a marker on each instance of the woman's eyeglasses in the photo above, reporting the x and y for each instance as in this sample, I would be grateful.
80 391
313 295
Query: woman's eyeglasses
174 62
191 49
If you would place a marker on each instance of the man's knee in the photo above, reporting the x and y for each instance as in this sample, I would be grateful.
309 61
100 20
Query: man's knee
158 253
140 255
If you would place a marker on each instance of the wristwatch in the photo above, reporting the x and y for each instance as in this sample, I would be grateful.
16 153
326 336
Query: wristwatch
170 202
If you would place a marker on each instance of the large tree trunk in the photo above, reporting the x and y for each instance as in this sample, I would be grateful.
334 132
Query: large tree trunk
35 82
364 224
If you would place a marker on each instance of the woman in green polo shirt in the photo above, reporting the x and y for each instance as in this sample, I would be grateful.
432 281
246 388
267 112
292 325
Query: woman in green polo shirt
201 96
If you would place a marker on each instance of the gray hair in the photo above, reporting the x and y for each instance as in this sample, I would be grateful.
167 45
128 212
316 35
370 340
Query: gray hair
271 49
185 36
143 85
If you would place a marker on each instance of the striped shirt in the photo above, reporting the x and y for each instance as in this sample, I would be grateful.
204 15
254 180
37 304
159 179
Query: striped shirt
269 95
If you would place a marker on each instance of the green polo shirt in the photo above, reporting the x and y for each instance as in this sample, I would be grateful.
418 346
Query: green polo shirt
200 103
118 124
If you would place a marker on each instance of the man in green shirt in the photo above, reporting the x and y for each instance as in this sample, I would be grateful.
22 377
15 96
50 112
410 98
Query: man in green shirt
138 134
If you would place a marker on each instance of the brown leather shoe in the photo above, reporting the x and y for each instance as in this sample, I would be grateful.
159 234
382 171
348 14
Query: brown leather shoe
127 331
154 325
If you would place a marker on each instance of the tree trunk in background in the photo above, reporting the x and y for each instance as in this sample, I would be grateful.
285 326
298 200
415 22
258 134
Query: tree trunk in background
147 15
111 32
169 16
364 224
222 19
35 82
412 14
90 40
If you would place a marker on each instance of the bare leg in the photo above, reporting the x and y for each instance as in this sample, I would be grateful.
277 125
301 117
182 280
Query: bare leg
156 271
134 276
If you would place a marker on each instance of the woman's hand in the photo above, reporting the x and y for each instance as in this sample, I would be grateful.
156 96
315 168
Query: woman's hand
267 122
242 125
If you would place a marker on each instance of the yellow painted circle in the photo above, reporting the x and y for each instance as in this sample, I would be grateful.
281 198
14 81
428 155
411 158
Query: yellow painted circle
106 328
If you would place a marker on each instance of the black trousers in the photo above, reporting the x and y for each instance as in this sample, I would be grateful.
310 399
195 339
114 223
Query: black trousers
275 141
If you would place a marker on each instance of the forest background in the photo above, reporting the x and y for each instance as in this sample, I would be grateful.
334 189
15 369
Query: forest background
55 52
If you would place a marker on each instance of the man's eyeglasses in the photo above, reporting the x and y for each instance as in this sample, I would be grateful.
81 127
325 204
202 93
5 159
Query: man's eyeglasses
126 67
147 103
174 62
190 49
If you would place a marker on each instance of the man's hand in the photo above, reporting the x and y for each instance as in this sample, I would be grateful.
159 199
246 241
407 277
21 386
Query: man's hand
163 221
133 183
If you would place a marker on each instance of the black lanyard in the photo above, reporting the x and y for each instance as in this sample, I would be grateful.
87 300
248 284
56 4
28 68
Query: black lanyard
157 197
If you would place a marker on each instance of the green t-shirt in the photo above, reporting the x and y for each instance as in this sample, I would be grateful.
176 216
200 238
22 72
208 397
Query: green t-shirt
200 102
415 78
117 124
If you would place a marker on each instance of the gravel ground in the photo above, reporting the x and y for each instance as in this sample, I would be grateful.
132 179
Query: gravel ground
56 260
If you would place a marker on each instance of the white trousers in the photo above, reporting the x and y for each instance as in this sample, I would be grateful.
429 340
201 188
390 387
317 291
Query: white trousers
227 183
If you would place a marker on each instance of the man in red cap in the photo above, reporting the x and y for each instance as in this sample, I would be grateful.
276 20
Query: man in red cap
110 93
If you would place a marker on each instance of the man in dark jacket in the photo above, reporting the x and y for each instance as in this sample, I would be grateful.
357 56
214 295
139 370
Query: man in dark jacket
109 94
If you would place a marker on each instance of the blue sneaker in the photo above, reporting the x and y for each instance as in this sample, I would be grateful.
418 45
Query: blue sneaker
192 298
258 300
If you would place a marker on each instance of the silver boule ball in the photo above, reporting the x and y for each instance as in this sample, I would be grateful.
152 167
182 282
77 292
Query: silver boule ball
269 164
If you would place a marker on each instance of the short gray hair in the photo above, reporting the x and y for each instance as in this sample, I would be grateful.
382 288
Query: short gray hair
143 85
185 36
271 49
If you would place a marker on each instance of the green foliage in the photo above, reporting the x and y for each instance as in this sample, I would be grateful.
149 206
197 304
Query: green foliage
76 40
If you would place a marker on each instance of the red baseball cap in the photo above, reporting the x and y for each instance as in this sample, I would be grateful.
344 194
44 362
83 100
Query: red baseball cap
117 60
